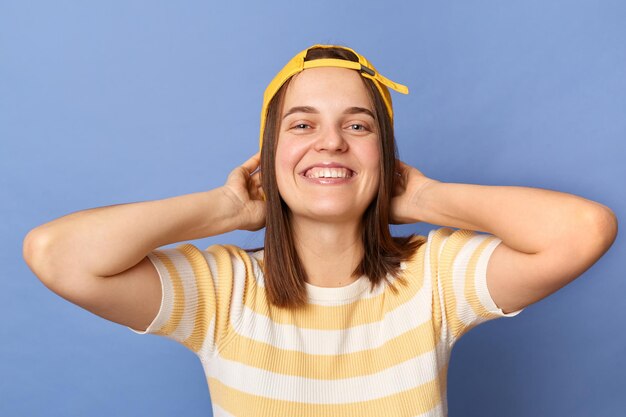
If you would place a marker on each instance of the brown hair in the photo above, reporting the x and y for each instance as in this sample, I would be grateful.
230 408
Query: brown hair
284 273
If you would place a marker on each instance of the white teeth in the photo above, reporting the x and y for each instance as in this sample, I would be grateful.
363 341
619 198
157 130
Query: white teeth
320 172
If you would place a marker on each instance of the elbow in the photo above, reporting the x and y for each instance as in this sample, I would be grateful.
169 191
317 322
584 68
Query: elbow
31 248
603 226
35 250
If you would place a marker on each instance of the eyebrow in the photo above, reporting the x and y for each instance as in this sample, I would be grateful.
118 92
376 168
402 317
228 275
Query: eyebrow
309 109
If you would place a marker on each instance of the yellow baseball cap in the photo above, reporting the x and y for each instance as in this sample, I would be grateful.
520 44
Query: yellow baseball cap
298 64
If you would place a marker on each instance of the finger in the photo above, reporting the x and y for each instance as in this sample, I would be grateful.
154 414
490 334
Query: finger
401 167
397 170
399 185
255 190
256 175
255 179
253 163
399 178
258 193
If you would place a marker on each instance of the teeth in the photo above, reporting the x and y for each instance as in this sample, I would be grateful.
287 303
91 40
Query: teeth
319 172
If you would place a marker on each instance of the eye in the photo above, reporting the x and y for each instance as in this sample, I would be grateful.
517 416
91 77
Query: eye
358 127
301 126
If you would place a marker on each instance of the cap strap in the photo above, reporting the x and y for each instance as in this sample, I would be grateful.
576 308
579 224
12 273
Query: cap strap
365 71
387 82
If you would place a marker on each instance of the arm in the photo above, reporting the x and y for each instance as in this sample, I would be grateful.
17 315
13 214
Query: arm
97 258
549 237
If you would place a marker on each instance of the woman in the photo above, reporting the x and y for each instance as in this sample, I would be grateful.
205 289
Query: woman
334 317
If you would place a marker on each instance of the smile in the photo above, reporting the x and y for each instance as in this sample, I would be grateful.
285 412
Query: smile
326 172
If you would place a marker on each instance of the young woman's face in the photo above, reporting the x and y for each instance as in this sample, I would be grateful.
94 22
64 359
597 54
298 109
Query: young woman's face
327 157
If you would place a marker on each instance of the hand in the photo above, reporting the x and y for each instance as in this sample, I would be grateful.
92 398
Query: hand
243 188
408 186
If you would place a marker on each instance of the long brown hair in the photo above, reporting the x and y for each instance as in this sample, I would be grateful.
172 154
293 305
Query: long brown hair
283 270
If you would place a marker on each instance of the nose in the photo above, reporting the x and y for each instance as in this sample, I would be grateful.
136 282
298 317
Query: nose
331 139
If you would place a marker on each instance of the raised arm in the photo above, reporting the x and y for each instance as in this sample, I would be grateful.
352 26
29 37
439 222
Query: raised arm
97 258
549 237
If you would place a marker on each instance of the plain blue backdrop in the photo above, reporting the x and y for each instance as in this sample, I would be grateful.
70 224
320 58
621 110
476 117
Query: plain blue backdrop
120 101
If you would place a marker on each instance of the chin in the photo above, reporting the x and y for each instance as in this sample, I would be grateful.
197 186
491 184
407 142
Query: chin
331 212
327 208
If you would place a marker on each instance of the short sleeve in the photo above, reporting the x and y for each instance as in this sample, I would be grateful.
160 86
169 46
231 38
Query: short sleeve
457 263
197 292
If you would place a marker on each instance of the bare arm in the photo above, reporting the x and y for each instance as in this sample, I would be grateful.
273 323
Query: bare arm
96 258
549 237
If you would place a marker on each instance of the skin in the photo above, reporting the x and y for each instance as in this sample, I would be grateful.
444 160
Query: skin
326 214
97 258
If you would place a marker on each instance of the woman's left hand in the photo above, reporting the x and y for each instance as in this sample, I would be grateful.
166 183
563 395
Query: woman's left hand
409 183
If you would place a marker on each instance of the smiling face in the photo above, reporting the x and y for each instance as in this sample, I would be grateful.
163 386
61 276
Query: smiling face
327 156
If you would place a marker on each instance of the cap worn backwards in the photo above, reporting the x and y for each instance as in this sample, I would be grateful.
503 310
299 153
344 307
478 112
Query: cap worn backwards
298 64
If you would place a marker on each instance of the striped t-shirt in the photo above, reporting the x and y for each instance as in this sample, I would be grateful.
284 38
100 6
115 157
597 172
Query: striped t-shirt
349 352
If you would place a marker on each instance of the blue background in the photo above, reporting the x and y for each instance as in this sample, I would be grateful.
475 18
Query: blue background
120 101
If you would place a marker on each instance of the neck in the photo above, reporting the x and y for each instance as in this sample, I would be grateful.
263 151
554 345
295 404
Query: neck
329 252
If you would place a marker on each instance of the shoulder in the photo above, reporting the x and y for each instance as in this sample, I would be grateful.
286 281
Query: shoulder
446 243
217 261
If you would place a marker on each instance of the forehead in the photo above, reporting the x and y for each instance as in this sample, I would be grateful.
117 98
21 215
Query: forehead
327 87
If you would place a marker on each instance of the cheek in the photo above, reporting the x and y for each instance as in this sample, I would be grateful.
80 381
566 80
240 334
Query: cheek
284 158
289 153
370 156
287 157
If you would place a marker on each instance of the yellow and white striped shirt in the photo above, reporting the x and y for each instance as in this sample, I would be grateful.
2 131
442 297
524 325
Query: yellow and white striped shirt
350 352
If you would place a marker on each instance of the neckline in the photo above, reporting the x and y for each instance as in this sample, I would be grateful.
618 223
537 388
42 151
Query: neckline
337 293
315 293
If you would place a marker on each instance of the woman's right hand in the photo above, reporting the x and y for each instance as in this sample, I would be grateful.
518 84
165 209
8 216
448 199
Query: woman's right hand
243 188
